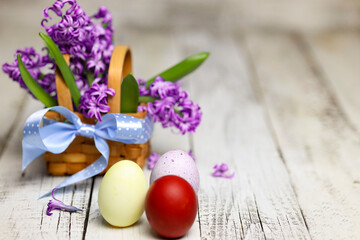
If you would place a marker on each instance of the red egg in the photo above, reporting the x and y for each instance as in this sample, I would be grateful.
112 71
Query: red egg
171 206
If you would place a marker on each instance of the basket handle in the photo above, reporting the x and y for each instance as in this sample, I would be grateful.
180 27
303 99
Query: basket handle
120 66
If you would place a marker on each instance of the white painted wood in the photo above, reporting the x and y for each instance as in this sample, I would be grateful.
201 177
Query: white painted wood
18 29
318 143
259 202
278 15
338 58
319 147
231 15
22 215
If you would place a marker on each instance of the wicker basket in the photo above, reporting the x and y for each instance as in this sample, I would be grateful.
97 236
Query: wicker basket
82 151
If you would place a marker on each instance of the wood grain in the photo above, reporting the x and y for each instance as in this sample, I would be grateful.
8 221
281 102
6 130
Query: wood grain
337 57
120 66
259 203
282 109
320 149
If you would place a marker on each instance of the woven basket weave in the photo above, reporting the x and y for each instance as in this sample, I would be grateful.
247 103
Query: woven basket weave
82 151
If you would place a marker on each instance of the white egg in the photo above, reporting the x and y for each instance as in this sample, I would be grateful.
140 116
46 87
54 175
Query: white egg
122 194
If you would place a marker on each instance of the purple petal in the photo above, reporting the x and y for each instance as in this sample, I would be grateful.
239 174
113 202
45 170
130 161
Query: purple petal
221 171
173 108
152 159
58 205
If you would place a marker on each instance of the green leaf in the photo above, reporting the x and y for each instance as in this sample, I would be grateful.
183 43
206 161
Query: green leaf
183 68
34 87
129 94
67 74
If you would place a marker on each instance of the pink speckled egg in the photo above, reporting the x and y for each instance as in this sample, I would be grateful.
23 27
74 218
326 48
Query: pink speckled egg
177 163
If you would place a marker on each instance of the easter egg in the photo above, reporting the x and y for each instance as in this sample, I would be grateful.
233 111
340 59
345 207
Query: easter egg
177 163
171 206
122 194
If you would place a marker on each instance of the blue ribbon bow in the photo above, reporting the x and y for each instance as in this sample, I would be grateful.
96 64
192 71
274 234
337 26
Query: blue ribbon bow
43 135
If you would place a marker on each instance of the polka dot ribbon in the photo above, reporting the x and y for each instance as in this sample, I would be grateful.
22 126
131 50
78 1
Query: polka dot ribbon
42 135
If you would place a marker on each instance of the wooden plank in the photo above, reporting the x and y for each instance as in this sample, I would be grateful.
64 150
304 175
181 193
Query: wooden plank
259 202
338 58
12 98
152 53
319 147
23 216
11 38
233 14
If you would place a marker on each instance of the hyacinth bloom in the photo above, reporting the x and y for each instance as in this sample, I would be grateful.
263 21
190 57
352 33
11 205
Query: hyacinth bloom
94 100
90 46
152 159
221 170
143 90
172 106
34 62
58 205
88 40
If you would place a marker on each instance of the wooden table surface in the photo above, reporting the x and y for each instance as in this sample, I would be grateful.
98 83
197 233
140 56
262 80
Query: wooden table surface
280 96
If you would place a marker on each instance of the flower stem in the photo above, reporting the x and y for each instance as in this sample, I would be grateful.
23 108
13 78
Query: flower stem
177 111
90 78
146 99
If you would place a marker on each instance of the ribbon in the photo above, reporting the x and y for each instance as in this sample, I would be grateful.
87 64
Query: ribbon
43 135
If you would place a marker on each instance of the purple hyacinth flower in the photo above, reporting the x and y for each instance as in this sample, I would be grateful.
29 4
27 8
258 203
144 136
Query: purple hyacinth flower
88 40
58 205
142 108
189 118
101 91
93 102
143 91
161 88
191 154
172 107
152 159
89 43
104 14
162 111
34 62
96 64
221 171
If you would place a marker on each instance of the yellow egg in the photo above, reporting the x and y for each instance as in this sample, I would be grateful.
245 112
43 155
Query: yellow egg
122 194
